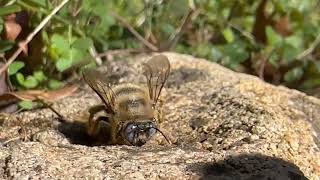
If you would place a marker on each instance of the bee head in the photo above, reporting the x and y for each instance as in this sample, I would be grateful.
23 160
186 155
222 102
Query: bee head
138 133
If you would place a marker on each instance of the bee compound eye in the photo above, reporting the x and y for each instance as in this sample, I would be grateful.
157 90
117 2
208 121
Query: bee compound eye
151 132
130 132
129 128
130 137
132 127
151 124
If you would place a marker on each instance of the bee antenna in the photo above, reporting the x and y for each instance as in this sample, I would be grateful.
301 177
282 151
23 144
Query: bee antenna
61 118
169 142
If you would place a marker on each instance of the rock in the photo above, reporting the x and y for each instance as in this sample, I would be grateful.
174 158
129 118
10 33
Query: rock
223 125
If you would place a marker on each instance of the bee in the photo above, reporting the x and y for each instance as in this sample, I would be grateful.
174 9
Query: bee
132 112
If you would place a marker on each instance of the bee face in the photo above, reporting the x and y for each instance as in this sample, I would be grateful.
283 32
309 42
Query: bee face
137 133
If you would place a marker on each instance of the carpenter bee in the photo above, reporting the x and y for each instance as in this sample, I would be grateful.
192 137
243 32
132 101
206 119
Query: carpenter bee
132 112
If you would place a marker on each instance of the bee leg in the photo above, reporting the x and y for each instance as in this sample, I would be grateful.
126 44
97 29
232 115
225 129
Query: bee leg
93 123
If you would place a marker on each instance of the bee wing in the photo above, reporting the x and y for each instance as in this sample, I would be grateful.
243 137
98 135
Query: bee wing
156 70
98 84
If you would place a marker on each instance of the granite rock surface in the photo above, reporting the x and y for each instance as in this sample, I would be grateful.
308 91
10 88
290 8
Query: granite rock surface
223 125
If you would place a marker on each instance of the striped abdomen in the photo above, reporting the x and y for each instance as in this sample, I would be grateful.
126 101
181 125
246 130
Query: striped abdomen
132 102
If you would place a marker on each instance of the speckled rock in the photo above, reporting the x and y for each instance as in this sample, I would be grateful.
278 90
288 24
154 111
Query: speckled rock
223 125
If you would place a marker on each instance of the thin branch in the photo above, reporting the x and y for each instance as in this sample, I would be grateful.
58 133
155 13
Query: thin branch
243 32
31 36
263 64
94 54
10 140
261 69
308 51
134 32
173 39
10 2
56 17
7 77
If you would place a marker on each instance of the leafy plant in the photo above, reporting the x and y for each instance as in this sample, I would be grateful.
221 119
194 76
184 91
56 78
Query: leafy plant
276 40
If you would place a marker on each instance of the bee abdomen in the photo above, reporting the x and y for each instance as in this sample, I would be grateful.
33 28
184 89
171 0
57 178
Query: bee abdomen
131 98
128 89
132 103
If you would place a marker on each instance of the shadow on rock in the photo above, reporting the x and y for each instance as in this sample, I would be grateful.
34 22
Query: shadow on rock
184 75
249 167
76 133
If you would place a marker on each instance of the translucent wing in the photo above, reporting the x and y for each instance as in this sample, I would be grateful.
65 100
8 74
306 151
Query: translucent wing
97 83
156 70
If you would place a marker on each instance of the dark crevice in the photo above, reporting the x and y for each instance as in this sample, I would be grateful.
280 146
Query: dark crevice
6 168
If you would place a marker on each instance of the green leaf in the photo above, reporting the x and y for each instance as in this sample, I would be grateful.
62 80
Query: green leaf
82 44
63 64
27 105
55 84
20 78
45 37
9 9
178 8
1 24
311 83
60 44
59 40
236 52
15 67
228 35
168 29
274 39
42 3
216 54
77 55
5 46
295 41
274 59
107 20
30 82
289 53
317 65
203 50
92 64
39 75
293 75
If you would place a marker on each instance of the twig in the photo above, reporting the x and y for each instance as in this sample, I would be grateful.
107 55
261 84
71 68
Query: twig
263 64
56 17
261 69
173 39
134 32
31 36
94 54
7 77
10 3
244 33
310 49
10 140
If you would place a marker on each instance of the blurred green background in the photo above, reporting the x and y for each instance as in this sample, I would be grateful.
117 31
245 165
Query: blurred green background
277 40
